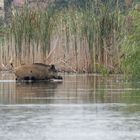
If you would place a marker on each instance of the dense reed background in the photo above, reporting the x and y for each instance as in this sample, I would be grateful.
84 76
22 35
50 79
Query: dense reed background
77 36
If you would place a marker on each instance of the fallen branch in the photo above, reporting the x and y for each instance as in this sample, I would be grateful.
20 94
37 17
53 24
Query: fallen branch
67 65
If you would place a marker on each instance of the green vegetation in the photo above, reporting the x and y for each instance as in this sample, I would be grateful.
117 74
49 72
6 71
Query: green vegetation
131 45
82 36
29 27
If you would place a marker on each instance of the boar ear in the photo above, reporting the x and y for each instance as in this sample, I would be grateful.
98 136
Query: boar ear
52 68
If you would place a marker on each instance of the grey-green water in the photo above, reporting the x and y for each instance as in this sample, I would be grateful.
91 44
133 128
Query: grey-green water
82 107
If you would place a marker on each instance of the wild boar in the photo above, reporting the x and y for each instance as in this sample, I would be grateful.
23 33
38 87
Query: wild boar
36 71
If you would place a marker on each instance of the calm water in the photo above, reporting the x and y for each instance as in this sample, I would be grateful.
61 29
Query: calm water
82 107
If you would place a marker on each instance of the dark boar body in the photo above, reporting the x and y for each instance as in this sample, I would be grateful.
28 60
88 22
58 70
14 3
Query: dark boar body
36 71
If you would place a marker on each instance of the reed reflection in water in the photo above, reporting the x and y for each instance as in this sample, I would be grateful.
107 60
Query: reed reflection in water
74 89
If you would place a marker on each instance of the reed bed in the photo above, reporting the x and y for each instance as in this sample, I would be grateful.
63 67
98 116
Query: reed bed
76 38
131 45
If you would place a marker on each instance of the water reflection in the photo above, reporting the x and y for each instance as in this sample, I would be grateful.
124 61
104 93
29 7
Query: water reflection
36 93
100 107
74 89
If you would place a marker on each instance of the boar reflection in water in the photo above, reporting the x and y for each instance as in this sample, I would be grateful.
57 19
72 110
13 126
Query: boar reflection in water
38 92
36 71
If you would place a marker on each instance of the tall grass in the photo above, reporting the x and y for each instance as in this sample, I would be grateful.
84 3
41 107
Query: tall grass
101 26
80 38
98 27
131 45
31 27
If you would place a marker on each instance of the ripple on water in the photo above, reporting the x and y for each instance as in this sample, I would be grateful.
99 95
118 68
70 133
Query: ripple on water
80 108
57 122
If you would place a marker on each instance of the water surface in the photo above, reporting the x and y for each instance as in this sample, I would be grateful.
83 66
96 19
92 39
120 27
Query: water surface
82 107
